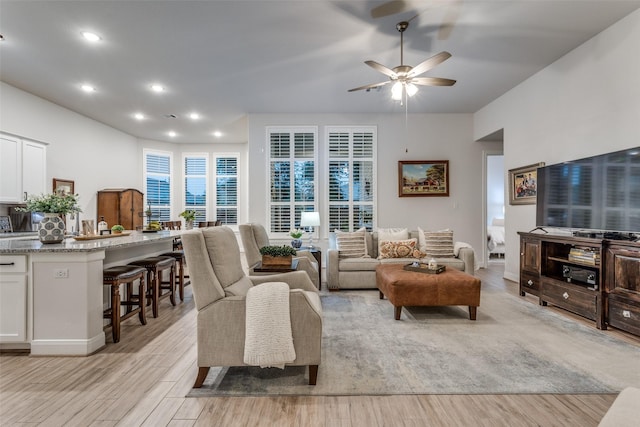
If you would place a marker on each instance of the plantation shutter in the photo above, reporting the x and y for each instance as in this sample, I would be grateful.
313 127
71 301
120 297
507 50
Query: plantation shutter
352 178
292 176
195 185
227 190
158 185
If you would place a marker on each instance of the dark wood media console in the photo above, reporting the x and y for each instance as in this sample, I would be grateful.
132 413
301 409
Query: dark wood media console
595 278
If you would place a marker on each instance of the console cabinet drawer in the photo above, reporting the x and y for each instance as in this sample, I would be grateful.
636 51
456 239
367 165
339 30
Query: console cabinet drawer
570 297
624 315
530 283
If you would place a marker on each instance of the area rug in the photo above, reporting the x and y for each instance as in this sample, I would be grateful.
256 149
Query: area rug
514 346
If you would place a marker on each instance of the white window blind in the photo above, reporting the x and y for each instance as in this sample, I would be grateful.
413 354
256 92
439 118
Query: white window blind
292 176
157 167
195 185
352 177
227 189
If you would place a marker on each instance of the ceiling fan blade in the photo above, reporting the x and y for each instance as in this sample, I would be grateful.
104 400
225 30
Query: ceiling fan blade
432 81
384 70
371 86
429 63
389 8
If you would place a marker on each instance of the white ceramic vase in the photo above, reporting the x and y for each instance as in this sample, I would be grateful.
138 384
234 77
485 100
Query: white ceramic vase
51 228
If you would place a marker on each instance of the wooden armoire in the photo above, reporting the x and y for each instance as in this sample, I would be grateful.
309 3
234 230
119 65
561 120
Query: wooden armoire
121 206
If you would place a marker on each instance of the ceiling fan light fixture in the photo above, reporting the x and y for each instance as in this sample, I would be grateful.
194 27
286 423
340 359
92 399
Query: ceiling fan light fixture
396 91
411 89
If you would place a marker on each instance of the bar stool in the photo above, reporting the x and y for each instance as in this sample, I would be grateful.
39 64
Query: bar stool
155 266
178 255
114 277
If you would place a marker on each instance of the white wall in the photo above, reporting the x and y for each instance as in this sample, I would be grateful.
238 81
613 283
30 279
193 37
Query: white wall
586 103
430 137
91 154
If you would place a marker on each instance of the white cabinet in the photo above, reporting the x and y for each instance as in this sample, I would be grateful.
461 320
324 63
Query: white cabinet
34 168
10 169
23 169
13 298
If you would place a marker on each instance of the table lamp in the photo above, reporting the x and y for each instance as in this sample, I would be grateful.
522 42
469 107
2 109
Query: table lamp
310 220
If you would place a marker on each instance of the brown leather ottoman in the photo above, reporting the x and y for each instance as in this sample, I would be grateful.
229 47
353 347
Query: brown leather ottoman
412 288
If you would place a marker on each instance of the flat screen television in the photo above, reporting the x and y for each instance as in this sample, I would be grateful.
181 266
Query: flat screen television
599 193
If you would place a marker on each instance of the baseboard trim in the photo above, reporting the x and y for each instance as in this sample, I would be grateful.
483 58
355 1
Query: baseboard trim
67 347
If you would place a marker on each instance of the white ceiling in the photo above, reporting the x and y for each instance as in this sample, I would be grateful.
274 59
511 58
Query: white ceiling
227 59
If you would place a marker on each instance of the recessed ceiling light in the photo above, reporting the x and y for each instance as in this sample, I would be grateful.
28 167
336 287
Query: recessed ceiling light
87 88
172 134
138 116
217 134
91 37
194 116
157 87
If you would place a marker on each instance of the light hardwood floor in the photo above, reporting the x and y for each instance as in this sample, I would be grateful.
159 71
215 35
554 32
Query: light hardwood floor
143 380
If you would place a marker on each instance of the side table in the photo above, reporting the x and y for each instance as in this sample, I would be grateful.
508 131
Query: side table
317 254
276 268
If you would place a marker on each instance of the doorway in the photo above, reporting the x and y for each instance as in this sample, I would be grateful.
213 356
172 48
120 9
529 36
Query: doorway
494 196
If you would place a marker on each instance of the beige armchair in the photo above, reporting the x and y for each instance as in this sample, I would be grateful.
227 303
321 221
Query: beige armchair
219 289
254 237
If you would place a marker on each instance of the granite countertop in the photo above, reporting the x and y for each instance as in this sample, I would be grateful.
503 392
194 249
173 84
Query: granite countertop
33 245
18 234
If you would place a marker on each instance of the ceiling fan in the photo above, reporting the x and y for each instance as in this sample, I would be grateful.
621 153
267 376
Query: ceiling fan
405 77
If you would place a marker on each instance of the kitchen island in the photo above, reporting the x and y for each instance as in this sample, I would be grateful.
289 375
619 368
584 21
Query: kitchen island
51 295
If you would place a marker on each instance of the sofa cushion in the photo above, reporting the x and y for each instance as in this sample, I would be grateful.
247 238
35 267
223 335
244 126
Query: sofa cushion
358 264
351 244
390 235
436 244
399 249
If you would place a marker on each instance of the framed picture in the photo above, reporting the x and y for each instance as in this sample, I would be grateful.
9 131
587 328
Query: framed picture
423 178
5 224
63 186
523 184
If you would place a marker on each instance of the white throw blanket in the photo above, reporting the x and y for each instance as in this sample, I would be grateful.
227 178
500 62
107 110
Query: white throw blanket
268 336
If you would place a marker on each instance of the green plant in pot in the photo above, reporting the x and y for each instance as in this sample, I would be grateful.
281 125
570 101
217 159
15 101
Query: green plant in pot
280 256
296 234
189 216
117 229
54 206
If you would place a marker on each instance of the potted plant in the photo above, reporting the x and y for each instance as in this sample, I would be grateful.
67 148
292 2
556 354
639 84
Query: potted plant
296 234
280 256
53 206
189 216
117 229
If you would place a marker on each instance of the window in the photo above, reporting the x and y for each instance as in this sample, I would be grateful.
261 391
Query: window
352 177
227 189
157 168
292 175
195 185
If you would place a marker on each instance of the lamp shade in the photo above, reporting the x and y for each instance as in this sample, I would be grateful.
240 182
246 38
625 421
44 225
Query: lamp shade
309 219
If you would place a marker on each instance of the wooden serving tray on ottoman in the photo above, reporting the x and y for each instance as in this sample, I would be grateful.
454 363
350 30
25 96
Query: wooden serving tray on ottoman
424 268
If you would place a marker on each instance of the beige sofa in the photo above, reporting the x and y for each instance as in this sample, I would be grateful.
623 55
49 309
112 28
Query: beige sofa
360 273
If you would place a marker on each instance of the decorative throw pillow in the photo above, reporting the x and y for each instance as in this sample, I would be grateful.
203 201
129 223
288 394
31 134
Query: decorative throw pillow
397 249
351 244
438 244
390 235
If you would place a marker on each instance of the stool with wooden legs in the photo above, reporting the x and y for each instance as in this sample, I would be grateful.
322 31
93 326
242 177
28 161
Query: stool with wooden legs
180 276
127 275
155 266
